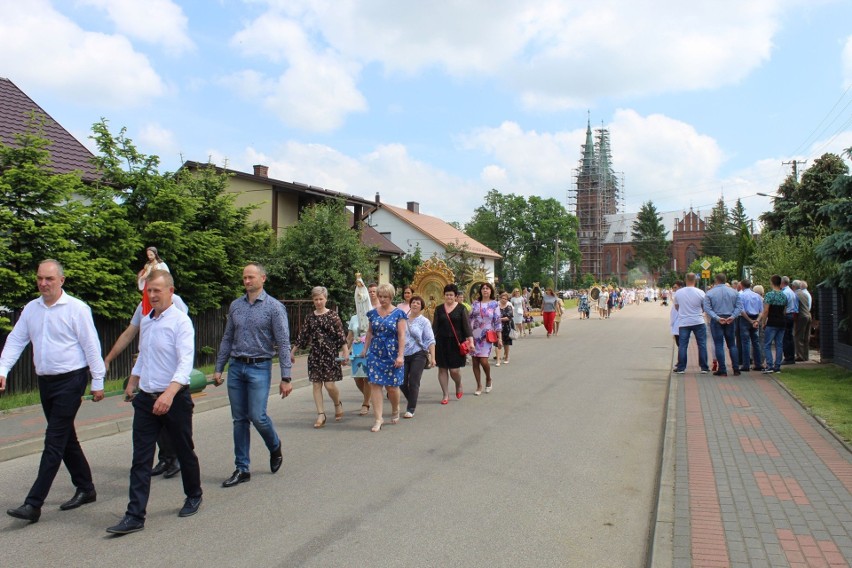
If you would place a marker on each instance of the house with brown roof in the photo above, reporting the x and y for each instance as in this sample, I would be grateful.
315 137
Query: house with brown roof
408 228
16 113
280 203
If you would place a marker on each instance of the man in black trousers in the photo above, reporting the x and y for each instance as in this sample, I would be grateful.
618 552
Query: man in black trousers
162 370
65 350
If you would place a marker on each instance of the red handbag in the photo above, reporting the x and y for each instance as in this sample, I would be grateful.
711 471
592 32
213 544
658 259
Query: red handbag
464 348
490 335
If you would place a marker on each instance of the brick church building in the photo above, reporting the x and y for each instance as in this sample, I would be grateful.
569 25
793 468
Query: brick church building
605 234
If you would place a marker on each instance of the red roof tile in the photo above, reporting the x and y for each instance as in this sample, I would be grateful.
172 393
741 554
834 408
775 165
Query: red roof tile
440 231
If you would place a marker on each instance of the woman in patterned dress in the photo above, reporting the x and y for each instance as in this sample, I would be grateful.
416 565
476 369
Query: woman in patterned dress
384 347
323 332
508 323
484 317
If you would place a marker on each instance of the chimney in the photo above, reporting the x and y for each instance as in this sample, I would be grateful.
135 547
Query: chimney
413 206
378 199
261 170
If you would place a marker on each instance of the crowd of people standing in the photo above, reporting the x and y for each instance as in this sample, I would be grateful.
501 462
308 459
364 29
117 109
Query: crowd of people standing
762 330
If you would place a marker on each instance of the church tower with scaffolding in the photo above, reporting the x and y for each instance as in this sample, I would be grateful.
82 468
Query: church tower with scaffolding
597 194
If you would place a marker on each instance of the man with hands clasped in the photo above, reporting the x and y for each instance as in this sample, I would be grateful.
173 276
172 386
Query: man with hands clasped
161 373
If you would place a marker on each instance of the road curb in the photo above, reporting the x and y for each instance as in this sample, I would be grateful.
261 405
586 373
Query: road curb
31 446
661 550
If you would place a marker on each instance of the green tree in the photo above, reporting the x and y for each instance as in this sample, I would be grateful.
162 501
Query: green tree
797 209
189 216
649 239
499 225
404 267
719 239
836 248
49 215
745 248
796 257
546 221
717 265
321 250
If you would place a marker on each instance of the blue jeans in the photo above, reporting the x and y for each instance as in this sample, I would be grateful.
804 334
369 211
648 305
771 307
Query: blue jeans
774 335
248 391
751 347
700 332
725 334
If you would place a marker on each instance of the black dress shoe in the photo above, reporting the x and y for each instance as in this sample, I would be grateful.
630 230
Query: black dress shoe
173 470
190 506
236 478
127 525
720 374
276 459
80 498
161 467
25 512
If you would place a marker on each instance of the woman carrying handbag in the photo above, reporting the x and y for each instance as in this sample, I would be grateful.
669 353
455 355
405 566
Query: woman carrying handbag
452 332
487 332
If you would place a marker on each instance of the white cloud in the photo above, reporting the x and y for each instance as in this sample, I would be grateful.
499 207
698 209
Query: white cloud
388 169
555 54
846 61
160 22
316 90
669 162
156 139
84 66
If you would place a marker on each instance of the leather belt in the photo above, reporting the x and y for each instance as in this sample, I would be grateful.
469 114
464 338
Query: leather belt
252 360
156 395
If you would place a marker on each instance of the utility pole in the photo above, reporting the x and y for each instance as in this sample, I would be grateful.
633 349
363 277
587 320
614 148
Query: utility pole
795 164
556 267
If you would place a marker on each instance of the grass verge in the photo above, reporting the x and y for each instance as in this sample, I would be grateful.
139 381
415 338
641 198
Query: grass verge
826 391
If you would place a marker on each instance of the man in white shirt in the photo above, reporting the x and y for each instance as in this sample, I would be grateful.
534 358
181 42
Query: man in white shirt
162 370
689 302
167 465
65 350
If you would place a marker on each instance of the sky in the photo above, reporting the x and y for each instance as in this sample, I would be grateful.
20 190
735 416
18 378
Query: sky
440 102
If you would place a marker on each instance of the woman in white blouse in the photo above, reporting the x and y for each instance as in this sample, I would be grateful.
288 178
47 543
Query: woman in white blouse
419 353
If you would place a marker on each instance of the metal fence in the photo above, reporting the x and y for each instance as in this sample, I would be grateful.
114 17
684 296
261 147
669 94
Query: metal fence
209 327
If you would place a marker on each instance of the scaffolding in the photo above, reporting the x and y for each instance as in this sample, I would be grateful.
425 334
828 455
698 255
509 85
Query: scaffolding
596 194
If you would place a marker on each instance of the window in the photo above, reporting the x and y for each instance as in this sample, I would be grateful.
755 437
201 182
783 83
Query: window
691 254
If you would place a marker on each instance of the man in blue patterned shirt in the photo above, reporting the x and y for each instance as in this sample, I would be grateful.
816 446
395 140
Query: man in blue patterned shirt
257 325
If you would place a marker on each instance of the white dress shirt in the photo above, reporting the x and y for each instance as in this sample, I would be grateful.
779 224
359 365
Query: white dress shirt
166 350
63 336
136 320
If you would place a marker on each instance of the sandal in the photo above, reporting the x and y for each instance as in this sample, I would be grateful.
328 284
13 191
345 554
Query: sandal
395 417
365 410
338 412
377 426
320 422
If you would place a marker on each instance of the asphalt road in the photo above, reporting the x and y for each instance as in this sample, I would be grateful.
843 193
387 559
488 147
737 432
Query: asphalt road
555 467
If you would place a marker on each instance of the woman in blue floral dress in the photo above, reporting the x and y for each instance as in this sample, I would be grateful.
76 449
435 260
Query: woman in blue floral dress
384 346
484 317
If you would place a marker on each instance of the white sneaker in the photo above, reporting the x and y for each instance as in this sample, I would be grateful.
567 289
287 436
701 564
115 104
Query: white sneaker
408 414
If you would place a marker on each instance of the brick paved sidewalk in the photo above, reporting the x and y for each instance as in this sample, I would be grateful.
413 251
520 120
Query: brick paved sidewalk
752 479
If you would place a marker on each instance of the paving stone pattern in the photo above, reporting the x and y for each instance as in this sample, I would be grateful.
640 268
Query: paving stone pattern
758 482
